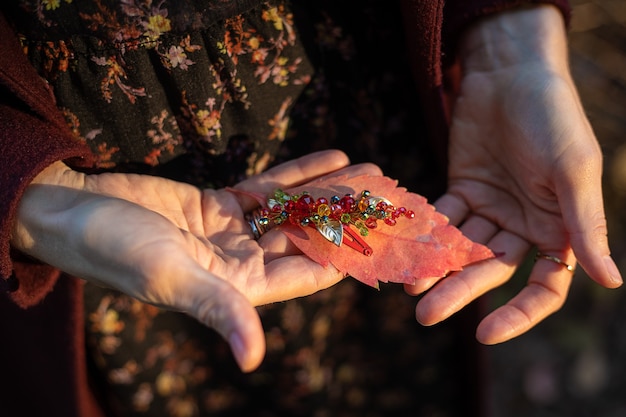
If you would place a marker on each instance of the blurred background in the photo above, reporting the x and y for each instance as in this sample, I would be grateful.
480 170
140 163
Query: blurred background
574 363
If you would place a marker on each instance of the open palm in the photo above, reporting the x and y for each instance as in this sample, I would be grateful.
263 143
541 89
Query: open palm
173 245
525 171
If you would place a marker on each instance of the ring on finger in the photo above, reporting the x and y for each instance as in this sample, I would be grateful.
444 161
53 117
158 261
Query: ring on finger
258 224
541 255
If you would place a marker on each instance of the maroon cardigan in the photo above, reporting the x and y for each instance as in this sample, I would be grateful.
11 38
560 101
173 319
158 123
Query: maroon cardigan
42 354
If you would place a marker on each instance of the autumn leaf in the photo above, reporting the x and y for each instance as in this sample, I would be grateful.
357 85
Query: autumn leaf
425 246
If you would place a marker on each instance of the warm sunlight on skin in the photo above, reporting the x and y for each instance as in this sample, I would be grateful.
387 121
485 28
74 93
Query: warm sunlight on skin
525 172
165 230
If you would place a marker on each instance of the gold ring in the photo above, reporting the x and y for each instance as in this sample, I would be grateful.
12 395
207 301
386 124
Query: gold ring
541 255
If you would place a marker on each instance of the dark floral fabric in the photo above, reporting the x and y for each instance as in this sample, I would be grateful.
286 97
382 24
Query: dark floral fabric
145 82
212 91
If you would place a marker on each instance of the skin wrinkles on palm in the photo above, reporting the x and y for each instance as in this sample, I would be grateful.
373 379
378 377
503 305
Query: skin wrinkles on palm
524 171
516 154
537 220
175 246
214 217
497 196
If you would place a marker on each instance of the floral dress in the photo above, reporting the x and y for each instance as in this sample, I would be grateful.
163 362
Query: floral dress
210 92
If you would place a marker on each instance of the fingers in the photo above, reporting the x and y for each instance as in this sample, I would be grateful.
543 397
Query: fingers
545 293
452 206
579 189
276 244
218 305
297 276
300 171
461 288
290 173
476 228
456 210
420 286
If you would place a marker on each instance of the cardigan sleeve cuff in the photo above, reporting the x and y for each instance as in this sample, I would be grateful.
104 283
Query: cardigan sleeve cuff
33 135
29 145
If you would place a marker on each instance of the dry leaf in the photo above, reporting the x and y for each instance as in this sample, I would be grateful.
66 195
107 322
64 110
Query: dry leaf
425 246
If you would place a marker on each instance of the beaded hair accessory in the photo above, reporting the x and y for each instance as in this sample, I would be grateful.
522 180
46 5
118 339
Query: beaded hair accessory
333 218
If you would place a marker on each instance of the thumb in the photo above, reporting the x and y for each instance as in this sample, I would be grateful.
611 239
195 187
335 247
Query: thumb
580 197
218 305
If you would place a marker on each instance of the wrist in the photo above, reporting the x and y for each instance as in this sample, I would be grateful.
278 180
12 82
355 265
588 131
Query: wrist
61 175
524 36
45 197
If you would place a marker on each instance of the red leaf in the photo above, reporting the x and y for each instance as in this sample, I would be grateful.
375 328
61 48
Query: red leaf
425 246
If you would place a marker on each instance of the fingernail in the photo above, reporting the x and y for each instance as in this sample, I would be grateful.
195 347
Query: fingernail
616 277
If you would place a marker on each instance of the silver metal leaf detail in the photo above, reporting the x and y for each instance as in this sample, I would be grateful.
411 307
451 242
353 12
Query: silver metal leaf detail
271 202
331 230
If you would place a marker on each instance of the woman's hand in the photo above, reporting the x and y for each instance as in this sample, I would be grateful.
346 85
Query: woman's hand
173 245
525 170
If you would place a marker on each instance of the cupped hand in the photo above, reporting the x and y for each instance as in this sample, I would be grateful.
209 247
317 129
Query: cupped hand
173 245
525 171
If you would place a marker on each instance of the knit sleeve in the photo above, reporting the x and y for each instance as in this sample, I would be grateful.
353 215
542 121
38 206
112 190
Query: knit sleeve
33 135
459 14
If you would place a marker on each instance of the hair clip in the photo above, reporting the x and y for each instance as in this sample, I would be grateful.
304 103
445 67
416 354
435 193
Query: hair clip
333 218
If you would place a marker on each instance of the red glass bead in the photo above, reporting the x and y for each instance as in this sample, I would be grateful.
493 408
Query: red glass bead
305 203
336 211
321 200
296 216
389 221
371 222
347 203
289 206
